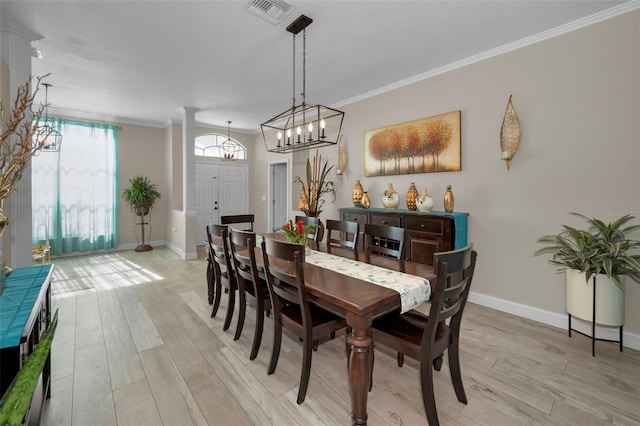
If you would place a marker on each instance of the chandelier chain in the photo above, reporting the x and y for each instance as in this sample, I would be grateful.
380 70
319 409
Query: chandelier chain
293 94
304 65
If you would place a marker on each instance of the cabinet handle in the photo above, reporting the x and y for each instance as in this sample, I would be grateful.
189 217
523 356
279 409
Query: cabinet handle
384 222
355 219
423 225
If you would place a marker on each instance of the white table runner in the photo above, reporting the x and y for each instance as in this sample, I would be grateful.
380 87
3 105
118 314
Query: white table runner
413 290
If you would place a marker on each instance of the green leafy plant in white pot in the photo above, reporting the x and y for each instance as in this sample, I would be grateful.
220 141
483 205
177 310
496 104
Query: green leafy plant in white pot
603 252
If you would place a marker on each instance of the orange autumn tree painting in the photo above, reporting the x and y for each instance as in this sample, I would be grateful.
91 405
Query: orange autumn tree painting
427 145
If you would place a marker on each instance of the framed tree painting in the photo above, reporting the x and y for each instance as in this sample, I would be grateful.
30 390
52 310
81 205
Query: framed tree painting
426 145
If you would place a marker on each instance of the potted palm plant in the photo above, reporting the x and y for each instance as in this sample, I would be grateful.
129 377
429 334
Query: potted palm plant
141 195
603 253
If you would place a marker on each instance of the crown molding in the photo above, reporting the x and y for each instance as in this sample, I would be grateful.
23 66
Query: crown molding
554 32
10 27
107 118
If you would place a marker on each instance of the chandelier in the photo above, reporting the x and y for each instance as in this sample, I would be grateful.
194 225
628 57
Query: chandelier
229 147
303 126
52 138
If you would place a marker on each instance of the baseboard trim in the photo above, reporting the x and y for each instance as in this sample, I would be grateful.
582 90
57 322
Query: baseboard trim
553 319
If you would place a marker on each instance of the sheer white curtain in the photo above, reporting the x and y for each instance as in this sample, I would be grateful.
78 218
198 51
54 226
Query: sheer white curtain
75 199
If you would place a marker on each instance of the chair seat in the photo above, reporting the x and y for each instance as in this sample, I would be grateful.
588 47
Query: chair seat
321 320
409 328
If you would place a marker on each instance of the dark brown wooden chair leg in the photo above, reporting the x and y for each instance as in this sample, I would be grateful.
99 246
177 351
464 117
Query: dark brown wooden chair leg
227 319
217 295
437 363
428 397
306 370
456 372
277 341
241 313
210 280
257 334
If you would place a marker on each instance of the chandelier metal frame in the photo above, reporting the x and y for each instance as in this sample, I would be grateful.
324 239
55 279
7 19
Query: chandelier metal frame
303 126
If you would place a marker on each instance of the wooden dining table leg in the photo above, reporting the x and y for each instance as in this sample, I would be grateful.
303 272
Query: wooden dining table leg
359 366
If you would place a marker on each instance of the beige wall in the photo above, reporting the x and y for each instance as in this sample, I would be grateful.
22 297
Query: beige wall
577 97
5 90
141 152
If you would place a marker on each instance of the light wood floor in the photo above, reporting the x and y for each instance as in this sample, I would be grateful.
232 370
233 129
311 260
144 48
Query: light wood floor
139 348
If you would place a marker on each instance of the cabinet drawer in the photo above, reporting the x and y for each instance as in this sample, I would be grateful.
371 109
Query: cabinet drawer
425 224
381 219
361 218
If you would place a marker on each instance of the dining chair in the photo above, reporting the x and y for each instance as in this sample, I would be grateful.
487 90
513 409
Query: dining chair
384 240
309 220
252 288
291 308
342 233
239 219
426 338
224 273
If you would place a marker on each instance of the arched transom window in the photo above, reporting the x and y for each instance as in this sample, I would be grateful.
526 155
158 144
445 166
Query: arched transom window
211 145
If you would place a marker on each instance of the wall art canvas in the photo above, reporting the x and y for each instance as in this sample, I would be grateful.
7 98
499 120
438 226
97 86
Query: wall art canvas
426 145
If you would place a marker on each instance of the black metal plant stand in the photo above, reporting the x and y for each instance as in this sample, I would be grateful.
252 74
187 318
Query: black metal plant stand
593 326
142 221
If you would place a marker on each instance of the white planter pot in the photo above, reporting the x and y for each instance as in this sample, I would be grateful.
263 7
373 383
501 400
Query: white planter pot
579 298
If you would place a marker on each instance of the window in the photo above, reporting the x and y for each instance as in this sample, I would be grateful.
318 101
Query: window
210 145
74 191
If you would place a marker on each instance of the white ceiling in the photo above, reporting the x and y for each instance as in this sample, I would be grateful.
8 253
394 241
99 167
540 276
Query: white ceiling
142 61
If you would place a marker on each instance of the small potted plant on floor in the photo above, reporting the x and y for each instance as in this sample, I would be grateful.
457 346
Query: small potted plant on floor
141 195
601 253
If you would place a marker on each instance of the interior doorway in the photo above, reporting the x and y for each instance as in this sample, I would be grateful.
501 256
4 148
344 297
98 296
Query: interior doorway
279 194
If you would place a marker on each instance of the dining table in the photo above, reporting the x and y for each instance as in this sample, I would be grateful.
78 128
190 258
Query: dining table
356 300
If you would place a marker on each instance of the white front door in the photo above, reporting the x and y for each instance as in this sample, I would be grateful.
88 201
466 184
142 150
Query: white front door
221 189
233 189
206 197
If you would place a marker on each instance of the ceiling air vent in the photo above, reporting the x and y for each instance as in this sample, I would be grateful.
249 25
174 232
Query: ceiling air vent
272 11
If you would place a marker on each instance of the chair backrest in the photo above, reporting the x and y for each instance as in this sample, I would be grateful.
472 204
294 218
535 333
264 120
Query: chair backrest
218 237
454 270
287 285
246 268
342 233
238 218
383 240
309 220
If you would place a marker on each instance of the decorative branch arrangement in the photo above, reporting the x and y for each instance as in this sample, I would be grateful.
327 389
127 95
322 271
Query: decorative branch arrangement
315 187
24 123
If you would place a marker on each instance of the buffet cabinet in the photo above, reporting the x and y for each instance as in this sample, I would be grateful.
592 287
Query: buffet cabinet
25 315
425 233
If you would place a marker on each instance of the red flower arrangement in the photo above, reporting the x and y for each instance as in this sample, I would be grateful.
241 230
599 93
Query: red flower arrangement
298 232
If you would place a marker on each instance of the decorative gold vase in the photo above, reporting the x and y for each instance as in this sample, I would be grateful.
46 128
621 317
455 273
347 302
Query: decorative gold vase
390 198
412 194
366 202
448 200
357 194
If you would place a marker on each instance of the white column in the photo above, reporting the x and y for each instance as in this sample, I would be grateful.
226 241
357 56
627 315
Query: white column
15 48
188 160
